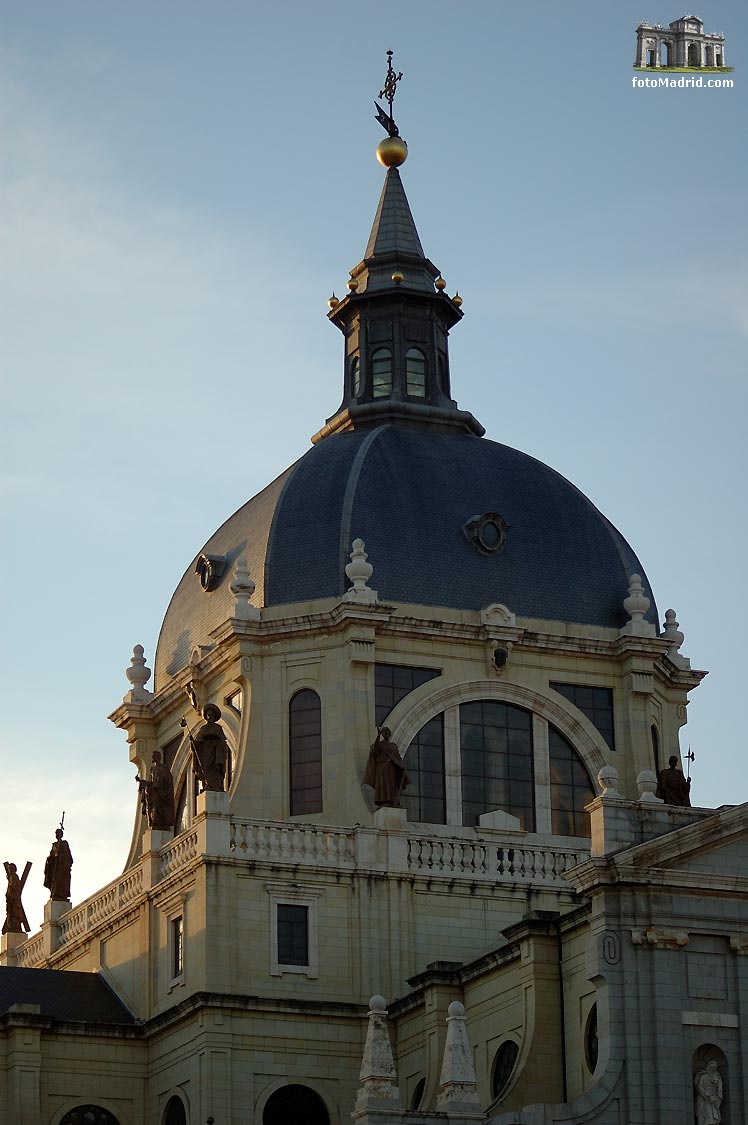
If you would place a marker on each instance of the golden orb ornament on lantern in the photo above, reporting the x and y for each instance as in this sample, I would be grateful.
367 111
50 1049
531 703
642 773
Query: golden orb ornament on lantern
440 284
457 300
392 152
333 302
397 277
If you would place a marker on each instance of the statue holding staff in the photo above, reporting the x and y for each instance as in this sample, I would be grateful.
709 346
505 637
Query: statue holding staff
58 866
385 771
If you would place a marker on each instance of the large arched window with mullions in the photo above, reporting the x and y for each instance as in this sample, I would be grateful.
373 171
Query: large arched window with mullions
497 761
571 788
381 373
305 752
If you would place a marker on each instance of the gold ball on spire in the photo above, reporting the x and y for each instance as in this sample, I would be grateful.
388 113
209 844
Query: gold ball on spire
392 151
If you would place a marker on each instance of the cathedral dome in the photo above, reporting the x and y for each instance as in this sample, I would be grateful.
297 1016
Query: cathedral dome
449 519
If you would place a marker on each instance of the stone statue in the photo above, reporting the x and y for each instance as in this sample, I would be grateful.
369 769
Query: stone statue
157 795
708 1084
672 787
210 751
385 771
57 869
15 916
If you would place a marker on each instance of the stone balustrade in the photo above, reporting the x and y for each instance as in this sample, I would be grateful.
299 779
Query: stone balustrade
445 853
531 863
177 853
279 842
31 953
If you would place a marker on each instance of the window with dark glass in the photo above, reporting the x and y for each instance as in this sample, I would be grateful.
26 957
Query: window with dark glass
503 1066
655 748
184 814
175 1113
417 1095
415 373
591 1045
392 682
86 1113
295 1103
497 761
305 751
293 934
381 373
425 798
356 375
177 946
594 702
571 788
169 751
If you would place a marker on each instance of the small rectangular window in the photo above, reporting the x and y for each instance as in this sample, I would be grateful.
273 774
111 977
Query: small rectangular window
293 934
177 946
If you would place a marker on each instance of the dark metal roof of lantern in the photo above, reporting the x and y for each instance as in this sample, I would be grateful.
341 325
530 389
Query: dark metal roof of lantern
448 517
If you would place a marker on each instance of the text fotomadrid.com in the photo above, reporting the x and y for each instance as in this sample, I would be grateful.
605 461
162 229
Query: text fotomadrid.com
663 80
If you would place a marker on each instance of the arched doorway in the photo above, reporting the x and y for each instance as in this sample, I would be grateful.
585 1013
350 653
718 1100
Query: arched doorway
694 54
665 53
89 1115
295 1103
175 1113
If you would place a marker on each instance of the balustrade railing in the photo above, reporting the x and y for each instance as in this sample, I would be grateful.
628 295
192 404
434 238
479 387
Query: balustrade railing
316 845
177 853
528 863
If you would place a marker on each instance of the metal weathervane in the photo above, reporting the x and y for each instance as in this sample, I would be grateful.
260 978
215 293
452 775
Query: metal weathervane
388 92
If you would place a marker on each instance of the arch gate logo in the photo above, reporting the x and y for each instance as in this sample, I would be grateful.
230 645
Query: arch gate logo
684 48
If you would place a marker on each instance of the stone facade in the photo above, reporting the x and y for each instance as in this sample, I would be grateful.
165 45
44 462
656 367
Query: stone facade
683 43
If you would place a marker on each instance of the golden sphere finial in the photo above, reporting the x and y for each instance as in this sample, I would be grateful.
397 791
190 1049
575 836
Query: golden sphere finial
392 151
457 300
333 302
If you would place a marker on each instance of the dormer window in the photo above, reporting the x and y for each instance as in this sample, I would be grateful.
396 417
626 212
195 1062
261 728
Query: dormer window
415 373
381 373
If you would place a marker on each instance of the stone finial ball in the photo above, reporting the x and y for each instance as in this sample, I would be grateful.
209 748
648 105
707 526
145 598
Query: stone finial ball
392 151
456 1009
378 1004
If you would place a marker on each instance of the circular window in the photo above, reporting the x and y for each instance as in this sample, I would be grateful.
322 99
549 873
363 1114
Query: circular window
487 533
590 1040
503 1066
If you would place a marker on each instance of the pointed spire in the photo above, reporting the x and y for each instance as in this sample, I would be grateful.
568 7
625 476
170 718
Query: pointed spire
396 317
393 230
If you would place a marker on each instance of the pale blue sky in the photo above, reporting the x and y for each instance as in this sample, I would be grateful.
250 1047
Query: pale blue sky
181 187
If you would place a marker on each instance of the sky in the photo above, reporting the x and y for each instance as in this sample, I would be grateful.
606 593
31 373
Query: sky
182 186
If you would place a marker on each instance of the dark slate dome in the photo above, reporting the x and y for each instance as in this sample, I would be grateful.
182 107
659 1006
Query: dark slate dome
408 492
403 468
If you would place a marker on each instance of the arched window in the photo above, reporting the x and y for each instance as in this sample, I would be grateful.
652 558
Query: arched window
295 1103
415 373
175 1113
381 373
305 752
497 761
417 1095
89 1115
571 788
425 798
591 1048
356 376
655 748
503 1067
